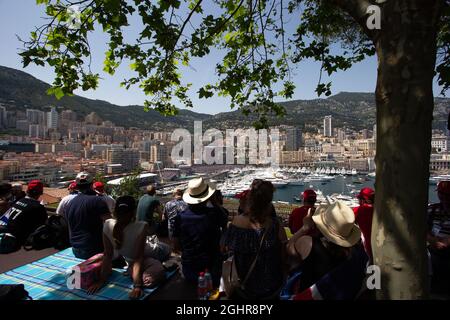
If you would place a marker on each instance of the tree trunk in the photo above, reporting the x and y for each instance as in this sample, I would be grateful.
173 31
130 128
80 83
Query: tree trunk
406 49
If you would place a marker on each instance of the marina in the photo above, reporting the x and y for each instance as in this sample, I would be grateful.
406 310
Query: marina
337 184
330 184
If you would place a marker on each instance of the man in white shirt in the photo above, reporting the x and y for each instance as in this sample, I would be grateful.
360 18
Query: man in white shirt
73 192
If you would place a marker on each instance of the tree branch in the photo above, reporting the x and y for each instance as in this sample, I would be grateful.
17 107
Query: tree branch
357 9
186 22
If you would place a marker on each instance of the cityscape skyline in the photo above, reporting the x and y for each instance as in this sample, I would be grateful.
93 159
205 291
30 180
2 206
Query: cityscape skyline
57 144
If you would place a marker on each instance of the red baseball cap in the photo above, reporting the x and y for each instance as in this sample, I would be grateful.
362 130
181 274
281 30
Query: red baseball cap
443 187
366 193
309 195
242 194
99 187
73 186
35 186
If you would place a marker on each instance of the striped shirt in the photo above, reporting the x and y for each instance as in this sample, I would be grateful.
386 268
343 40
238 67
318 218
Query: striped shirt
438 221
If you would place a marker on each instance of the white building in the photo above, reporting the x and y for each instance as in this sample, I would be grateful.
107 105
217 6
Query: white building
440 162
440 143
52 119
327 128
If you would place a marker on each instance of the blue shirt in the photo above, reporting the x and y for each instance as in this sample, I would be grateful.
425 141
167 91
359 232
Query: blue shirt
198 229
84 216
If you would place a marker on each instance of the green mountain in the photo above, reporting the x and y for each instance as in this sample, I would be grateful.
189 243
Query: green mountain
19 90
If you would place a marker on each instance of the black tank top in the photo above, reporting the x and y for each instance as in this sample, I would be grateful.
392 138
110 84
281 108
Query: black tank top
319 262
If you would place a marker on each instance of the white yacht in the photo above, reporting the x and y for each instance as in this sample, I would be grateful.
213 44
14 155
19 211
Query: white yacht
277 183
318 177
436 179
296 182
348 200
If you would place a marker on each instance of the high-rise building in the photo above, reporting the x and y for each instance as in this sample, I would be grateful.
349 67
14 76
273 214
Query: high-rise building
52 119
293 139
341 136
37 131
22 125
11 119
127 158
68 115
374 132
3 119
36 116
158 153
327 128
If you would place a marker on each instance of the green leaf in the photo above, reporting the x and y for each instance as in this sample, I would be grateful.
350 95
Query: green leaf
55 91
204 93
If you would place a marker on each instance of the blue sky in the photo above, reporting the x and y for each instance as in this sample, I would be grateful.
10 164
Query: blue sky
21 16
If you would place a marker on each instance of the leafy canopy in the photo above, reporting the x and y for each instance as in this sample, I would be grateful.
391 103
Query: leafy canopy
259 52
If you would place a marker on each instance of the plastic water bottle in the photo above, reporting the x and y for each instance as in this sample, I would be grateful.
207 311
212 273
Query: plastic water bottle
209 283
201 288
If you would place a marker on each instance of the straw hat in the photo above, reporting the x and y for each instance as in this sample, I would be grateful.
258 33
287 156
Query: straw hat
198 191
337 223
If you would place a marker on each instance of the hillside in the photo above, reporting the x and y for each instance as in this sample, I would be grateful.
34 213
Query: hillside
22 91
19 90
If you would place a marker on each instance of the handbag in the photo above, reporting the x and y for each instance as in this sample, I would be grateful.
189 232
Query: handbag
231 281
13 292
8 243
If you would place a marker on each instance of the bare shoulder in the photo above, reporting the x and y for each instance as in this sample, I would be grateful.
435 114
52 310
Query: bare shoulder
303 246
241 221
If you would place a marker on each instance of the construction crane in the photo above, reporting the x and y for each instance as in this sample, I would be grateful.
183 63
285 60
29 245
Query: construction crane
159 171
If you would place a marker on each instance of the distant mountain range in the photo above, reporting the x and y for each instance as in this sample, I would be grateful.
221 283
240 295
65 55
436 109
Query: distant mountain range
19 90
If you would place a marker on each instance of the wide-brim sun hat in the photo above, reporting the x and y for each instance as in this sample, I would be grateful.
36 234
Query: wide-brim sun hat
337 223
198 191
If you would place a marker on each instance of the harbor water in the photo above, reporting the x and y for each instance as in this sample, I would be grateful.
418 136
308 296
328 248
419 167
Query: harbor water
347 185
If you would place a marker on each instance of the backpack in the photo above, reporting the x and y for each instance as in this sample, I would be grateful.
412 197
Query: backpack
61 229
8 243
43 237
13 292
52 234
